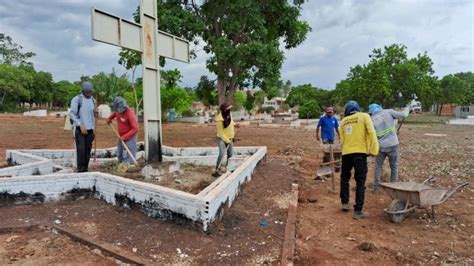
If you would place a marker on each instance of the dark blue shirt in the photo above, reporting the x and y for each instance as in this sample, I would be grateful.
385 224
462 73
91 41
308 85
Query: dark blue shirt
328 125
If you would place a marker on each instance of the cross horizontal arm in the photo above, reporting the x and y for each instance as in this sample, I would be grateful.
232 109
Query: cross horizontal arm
111 29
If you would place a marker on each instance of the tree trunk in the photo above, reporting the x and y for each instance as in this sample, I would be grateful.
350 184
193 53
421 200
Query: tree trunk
221 90
440 109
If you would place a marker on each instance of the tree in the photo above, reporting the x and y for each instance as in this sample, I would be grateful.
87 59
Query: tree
175 98
64 91
310 109
308 98
11 54
388 74
240 99
242 37
206 91
41 88
454 90
130 60
468 77
109 86
285 89
170 78
14 86
249 102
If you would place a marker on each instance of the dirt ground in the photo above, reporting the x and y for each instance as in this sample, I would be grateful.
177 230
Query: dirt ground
44 247
325 235
190 178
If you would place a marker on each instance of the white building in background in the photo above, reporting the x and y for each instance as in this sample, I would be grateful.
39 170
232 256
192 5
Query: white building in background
276 103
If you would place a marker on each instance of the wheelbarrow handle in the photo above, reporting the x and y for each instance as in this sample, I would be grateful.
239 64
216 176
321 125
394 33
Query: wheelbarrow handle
451 191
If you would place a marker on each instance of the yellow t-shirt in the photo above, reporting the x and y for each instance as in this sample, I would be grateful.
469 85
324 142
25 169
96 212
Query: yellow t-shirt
226 134
358 135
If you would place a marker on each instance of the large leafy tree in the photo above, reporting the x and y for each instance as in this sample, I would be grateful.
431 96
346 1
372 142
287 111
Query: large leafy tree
454 90
108 86
311 100
242 37
64 91
206 91
388 75
11 52
14 86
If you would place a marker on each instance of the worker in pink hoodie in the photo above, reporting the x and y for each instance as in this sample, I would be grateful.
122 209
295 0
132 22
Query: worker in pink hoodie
127 127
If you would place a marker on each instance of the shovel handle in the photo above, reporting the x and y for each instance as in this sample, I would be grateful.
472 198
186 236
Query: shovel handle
125 145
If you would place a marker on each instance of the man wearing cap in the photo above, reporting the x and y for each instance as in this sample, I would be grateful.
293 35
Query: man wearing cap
127 128
83 114
384 123
328 125
358 139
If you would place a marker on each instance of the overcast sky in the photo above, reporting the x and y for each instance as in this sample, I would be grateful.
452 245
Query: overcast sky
344 33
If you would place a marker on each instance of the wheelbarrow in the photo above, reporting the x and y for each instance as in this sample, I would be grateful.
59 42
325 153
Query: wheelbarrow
408 196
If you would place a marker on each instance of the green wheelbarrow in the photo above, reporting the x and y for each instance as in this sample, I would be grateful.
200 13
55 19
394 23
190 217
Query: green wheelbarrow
408 196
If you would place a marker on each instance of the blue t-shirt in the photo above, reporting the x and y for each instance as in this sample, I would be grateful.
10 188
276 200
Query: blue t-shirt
328 125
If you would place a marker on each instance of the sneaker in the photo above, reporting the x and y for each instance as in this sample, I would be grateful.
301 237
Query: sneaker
377 190
345 207
360 215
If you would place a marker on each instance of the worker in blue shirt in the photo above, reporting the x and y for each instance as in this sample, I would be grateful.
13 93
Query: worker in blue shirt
328 125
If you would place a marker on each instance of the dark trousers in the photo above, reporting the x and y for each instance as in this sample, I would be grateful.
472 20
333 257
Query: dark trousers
83 149
358 161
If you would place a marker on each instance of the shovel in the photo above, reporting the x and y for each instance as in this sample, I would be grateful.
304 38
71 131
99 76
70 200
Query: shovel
137 167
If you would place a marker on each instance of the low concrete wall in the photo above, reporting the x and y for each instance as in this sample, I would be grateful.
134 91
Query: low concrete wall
192 119
154 200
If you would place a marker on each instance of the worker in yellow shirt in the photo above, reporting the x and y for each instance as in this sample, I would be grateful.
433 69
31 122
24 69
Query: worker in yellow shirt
358 139
225 135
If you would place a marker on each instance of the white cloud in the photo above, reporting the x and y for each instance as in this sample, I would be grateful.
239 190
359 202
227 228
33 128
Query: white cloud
344 34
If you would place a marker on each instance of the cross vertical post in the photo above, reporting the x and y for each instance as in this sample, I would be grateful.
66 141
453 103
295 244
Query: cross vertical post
151 43
151 81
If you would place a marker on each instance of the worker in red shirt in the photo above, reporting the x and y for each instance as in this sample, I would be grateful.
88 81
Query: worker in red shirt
127 127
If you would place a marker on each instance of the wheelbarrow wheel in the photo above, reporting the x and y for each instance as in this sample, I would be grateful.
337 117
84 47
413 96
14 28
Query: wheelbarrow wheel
396 205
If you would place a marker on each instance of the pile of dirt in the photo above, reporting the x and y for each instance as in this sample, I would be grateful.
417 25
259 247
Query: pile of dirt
291 151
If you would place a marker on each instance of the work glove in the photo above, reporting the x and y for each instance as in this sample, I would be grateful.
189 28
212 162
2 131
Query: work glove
406 111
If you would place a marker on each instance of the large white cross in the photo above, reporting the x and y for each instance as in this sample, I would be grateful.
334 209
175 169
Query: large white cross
152 43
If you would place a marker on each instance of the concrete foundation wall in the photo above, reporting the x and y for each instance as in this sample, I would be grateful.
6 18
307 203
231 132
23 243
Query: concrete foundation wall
154 200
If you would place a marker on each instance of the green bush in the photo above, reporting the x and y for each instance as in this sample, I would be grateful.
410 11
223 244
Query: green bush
309 109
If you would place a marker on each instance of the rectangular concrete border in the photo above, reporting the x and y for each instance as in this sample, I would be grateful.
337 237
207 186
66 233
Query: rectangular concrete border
154 200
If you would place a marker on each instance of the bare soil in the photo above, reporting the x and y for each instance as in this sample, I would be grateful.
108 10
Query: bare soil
44 247
325 235
191 178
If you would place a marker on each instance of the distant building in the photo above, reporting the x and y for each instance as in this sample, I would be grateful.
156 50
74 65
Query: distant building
445 109
199 106
463 111
276 103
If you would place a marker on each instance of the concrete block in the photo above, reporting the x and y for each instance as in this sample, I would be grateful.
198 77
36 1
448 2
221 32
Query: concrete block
36 113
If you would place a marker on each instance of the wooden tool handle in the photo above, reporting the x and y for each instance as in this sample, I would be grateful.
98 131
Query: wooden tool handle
125 145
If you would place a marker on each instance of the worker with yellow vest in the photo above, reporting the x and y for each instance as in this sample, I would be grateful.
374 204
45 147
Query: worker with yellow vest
358 139
225 135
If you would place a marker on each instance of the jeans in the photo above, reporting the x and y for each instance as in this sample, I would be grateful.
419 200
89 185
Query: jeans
222 146
358 161
83 149
122 154
393 154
